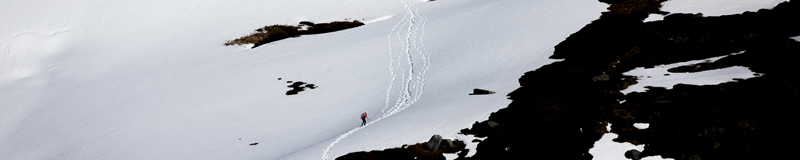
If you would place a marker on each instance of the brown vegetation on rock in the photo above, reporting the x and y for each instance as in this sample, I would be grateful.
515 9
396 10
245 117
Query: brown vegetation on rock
273 33
266 34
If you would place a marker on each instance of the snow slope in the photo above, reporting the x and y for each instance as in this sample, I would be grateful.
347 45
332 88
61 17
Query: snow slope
150 79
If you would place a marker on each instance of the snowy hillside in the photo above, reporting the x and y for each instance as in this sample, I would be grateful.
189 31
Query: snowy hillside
150 79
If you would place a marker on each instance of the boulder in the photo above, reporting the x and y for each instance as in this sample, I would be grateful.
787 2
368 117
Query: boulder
433 144
633 154
447 143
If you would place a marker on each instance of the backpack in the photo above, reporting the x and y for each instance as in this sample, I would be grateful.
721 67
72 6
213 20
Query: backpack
363 115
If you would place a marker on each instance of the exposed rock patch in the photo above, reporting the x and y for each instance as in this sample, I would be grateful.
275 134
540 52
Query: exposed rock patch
477 91
633 154
433 144
407 152
446 143
277 32
298 87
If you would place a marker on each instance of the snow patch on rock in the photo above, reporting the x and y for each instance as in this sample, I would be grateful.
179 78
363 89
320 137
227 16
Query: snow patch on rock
641 125
717 7
654 17
607 149
658 76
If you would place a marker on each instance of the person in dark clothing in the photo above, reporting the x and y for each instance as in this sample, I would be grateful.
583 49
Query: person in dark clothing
364 118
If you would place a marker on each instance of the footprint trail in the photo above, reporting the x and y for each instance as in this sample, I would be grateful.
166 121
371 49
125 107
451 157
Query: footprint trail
409 60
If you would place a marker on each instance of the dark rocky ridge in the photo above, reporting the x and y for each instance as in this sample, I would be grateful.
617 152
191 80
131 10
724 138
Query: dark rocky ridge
416 151
561 109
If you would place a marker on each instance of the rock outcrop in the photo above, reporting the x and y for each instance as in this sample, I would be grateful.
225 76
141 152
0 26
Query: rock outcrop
446 144
277 32
410 152
433 144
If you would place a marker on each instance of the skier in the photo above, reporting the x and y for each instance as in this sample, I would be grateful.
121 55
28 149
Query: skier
364 118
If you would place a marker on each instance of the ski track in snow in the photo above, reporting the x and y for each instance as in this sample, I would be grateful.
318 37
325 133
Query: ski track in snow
409 63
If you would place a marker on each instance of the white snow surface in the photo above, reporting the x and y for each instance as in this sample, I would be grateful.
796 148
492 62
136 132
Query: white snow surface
796 38
654 17
150 79
659 77
713 7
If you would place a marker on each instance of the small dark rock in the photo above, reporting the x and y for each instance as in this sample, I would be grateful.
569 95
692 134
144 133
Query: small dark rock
297 84
293 91
477 140
480 92
288 81
447 143
279 79
253 144
633 154
307 23
296 87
